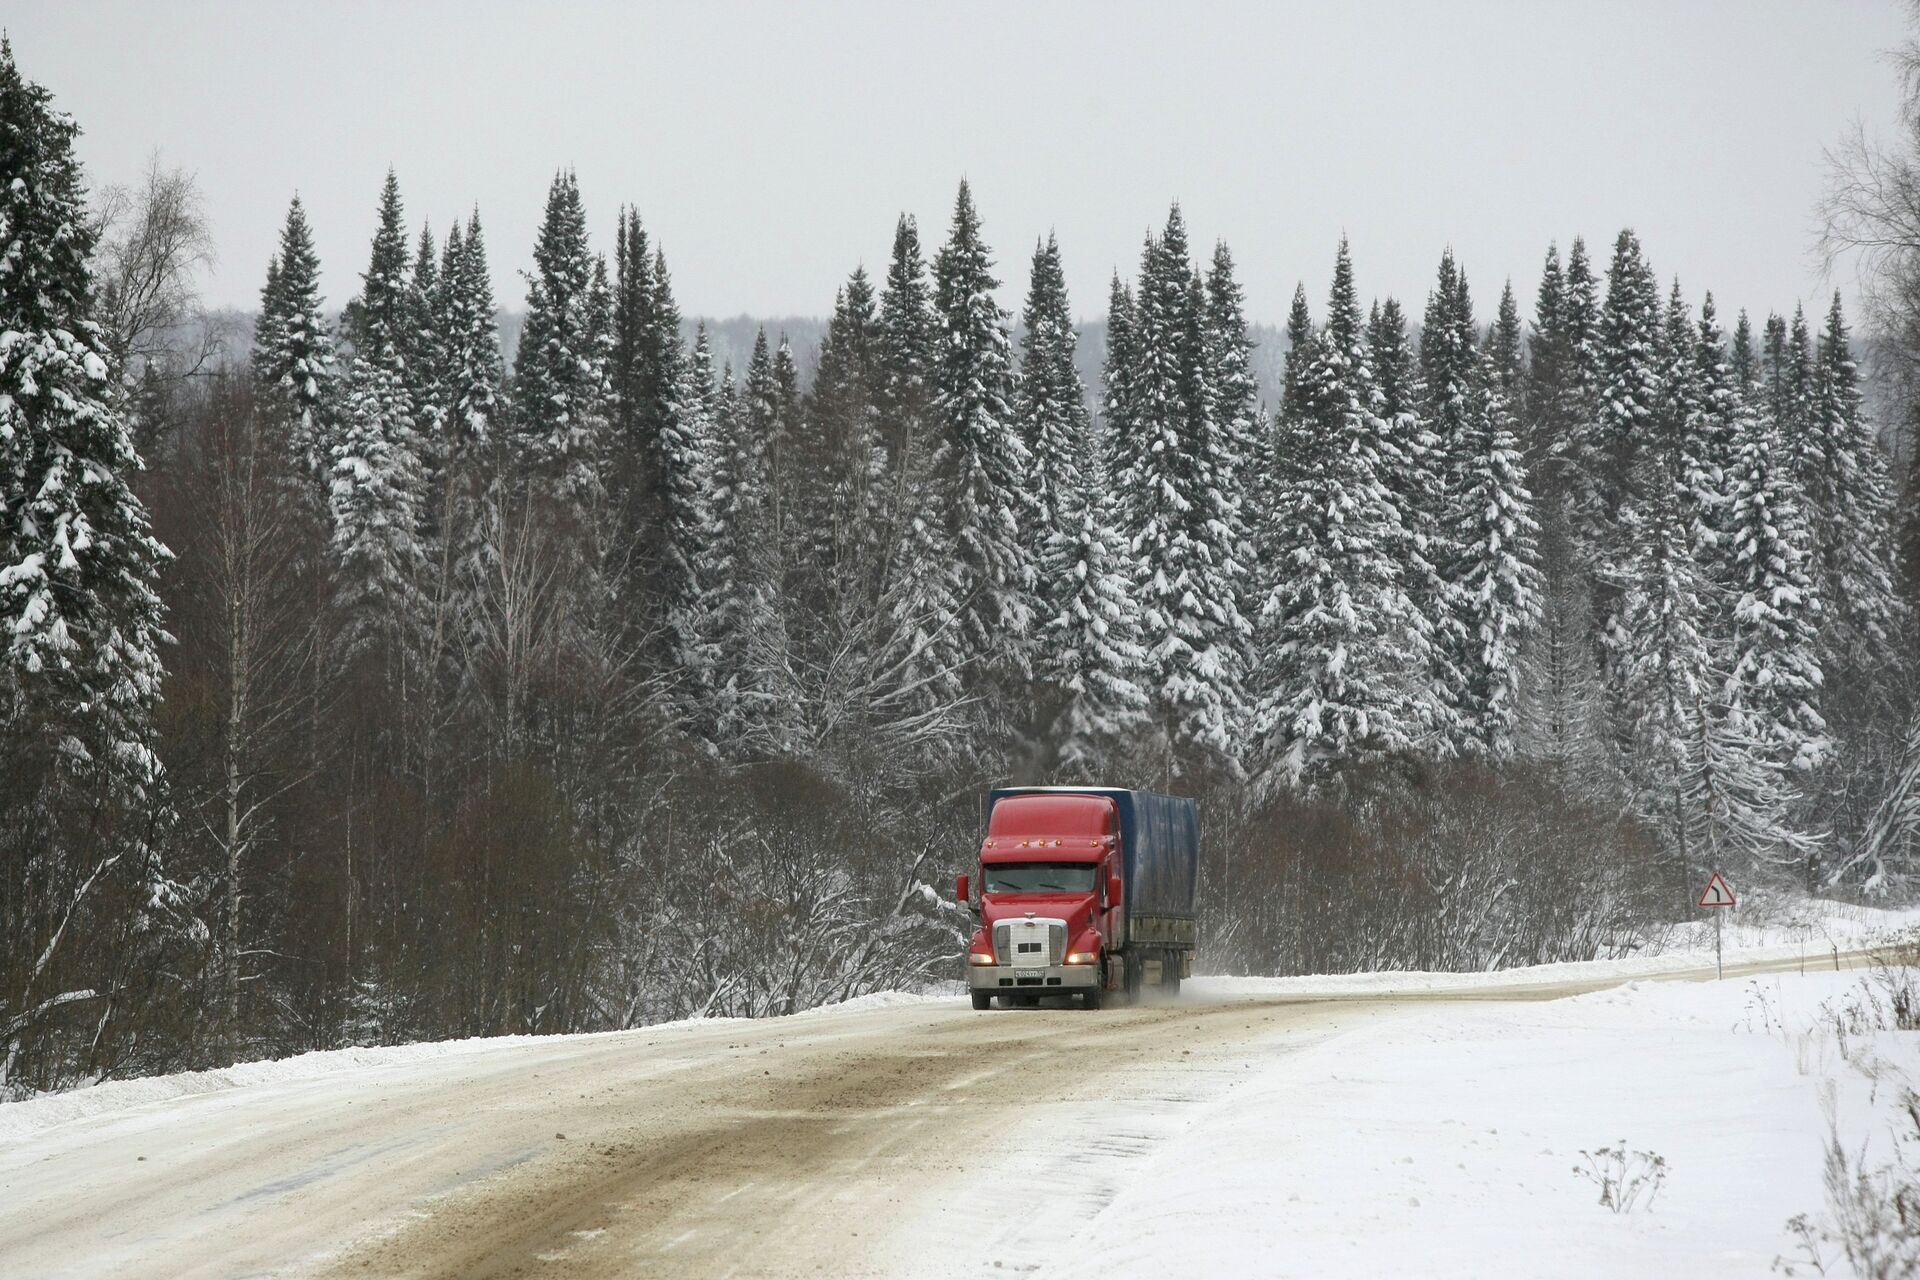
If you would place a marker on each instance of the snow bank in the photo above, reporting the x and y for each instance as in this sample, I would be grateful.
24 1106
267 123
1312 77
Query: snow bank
1446 1145
32 1115
942 993
19 1119
1816 935
1762 920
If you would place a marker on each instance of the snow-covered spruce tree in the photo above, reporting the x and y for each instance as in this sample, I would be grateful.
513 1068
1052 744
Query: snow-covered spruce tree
1290 444
1565 722
80 671
1665 672
633 470
1564 383
1395 367
1428 480
1774 678
838 459
1744 360
1172 457
632 318
1563 718
267 324
293 355
665 356
755 657
1052 410
734 595
1685 422
437 304
1854 560
1419 472
692 537
1243 443
787 421
1504 349
1300 354
1718 402
1848 492
1093 654
469 338
922 655
1775 375
919 598
1495 569
1580 321
1117 368
1791 370
1548 363
561 379
1449 354
378 489
600 342
908 342
426 366
981 463
434 284
1700 773
1607 442
1088 656
1339 655
1412 465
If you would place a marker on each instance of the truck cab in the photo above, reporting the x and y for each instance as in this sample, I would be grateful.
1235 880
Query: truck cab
1049 897
1082 891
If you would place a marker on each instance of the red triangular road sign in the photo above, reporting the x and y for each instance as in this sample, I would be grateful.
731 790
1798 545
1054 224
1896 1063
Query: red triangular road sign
1718 892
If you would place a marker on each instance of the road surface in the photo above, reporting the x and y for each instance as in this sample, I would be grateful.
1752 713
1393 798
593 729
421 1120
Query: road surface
916 1139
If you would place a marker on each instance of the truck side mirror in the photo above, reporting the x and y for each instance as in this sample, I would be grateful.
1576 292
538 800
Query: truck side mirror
960 894
1113 891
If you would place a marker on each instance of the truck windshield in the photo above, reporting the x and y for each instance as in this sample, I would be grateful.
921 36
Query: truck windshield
1040 877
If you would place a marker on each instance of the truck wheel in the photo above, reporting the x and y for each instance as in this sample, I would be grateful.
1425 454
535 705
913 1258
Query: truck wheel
1135 971
983 999
1091 998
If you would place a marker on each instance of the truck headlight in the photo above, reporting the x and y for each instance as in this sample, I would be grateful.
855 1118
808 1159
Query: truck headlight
1082 957
981 957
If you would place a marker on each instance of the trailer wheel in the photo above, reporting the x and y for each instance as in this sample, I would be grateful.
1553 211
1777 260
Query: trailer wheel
983 999
1132 977
1170 975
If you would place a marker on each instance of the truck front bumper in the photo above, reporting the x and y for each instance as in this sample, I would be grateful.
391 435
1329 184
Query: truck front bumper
1007 979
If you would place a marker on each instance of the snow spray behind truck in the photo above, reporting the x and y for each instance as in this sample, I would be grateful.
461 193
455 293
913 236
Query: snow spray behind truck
1082 890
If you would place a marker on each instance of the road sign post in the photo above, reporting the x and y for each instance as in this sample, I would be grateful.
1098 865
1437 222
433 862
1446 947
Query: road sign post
1718 893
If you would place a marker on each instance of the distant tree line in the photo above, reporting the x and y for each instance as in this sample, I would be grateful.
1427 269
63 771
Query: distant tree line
405 694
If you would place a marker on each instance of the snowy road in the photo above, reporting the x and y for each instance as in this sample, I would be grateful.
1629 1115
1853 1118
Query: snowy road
915 1137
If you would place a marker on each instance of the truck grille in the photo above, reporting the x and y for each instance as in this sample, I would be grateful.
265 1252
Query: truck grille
1030 943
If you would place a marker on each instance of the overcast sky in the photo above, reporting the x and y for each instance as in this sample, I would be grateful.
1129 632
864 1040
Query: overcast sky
769 147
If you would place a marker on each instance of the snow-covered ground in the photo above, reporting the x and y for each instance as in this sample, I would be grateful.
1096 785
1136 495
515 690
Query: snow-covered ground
1812 927
1353 1125
1447 1145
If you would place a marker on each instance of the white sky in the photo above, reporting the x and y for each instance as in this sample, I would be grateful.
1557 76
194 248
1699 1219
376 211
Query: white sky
769 146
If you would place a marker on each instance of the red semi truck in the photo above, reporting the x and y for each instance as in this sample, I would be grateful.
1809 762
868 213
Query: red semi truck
1082 891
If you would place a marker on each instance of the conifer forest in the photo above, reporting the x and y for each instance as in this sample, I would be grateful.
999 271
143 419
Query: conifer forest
368 678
